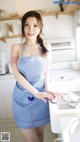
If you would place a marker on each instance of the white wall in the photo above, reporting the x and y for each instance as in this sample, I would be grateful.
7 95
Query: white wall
6 46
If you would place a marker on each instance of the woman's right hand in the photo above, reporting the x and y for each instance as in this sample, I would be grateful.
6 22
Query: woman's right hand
44 96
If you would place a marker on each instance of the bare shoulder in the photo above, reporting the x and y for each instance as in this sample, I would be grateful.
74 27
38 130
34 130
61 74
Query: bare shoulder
16 47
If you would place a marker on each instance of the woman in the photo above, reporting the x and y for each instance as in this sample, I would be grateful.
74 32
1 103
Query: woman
30 63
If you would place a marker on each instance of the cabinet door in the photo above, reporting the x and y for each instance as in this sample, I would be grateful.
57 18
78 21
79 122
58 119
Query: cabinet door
60 26
6 89
63 55
78 42
3 109
9 86
49 26
65 25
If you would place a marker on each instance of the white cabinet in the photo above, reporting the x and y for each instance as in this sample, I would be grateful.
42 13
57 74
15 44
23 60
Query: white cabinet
49 26
78 42
2 101
6 89
77 32
60 26
65 25
63 55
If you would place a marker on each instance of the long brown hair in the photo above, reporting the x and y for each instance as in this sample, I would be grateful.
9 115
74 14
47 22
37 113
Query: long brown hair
39 19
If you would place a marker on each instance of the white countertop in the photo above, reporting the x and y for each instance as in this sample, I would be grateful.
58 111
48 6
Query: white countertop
64 80
7 76
64 74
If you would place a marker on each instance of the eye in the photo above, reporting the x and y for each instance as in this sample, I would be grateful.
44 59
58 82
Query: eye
26 24
35 25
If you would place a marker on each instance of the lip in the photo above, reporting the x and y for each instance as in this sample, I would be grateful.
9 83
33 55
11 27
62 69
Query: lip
29 34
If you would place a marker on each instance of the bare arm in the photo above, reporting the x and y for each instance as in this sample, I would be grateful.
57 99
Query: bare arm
47 75
47 72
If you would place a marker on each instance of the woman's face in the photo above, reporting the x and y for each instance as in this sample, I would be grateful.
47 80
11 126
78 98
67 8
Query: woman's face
31 28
